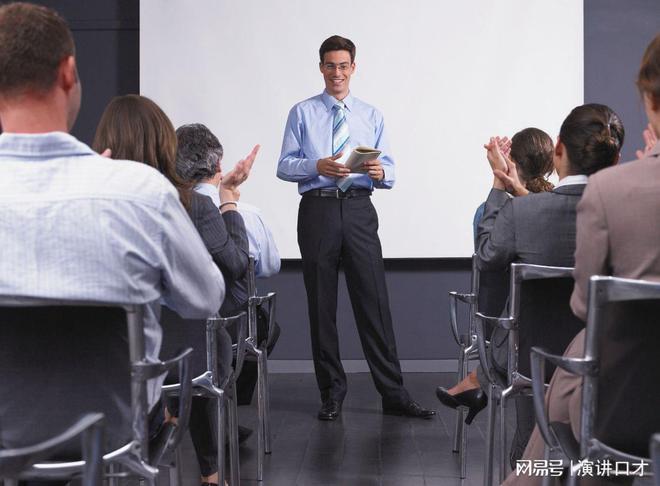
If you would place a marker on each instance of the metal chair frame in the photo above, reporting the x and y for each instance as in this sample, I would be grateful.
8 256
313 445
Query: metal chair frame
222 389
517 384
655 456
602 290
259 351
90 430
134 456
468 350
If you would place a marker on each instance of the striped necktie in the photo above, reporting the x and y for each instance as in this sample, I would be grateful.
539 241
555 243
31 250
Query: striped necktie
340 134
340 138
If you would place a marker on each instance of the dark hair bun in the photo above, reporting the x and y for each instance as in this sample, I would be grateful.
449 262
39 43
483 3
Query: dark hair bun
539 184
593 136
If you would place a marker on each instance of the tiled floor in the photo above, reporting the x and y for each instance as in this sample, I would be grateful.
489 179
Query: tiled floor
364 447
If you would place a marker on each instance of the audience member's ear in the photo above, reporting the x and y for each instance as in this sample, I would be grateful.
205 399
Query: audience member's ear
68 74
559 147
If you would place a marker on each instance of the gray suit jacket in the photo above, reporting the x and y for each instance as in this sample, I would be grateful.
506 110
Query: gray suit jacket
537 229
226 240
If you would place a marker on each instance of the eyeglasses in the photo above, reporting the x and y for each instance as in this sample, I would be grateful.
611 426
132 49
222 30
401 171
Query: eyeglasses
344 66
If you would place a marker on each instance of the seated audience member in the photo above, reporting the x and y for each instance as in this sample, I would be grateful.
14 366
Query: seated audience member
75 226
531 151
615 236
538 229
135 127
199 158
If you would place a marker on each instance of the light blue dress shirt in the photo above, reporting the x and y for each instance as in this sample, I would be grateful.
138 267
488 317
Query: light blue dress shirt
260 239
75 225
308 138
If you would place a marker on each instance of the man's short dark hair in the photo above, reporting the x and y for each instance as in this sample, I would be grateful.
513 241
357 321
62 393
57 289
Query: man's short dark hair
337 43
34 40
198 153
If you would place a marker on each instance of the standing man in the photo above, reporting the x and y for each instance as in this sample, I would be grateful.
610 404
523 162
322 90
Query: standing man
341 226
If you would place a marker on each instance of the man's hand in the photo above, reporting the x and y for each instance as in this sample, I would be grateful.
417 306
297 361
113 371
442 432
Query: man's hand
650 139
241 171
510 180
375 169
330 168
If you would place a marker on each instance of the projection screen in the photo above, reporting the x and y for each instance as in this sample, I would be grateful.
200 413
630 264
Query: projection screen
446 75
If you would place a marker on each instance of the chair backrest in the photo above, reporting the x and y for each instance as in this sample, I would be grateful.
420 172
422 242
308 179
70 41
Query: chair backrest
540 307
621 401
62 359
179 332
89 430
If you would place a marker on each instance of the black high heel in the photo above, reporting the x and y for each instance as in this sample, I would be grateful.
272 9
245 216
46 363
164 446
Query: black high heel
475 400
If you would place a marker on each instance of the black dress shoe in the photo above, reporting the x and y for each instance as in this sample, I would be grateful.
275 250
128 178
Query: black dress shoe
410 409
475 400
330 410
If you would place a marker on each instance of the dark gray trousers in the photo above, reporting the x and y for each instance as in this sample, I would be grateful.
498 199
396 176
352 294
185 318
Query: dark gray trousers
345 231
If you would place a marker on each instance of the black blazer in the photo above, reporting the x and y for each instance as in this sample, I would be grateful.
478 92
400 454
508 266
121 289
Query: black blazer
226 240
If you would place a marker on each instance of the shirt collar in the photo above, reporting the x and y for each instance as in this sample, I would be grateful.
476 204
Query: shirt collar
48 145
209 190
329 101
572 180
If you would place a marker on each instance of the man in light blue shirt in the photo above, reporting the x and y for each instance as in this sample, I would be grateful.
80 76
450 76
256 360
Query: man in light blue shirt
337 224
76 225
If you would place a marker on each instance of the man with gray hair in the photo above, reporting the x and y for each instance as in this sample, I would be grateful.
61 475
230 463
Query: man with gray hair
198 160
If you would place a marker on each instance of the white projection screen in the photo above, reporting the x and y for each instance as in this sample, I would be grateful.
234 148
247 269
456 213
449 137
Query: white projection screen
445 74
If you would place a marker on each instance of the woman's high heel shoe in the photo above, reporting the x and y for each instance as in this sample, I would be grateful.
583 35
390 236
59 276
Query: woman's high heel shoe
475 400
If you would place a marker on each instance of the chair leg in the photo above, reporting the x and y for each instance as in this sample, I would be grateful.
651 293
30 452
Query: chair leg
174 475
267 436
460 375
503 448
261 406
222 435
490 437
463 454
112 480
235 465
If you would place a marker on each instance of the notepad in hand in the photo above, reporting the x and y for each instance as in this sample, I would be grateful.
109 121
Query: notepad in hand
359 156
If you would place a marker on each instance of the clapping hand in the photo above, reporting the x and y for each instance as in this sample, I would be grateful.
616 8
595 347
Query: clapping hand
241 171
511 180
494 153
650 139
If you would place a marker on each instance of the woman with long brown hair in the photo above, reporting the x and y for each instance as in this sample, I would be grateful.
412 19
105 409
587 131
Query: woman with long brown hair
133 127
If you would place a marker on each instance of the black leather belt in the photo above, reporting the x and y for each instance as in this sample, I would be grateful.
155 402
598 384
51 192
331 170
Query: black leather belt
338 194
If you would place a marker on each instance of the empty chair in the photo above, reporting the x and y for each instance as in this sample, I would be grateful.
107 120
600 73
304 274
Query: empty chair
620 373
539 314
62 359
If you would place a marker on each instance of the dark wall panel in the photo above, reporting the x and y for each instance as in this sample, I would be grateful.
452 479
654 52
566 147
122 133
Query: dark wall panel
615 36
107 36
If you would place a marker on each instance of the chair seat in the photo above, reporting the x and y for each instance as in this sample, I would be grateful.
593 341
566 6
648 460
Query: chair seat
567 440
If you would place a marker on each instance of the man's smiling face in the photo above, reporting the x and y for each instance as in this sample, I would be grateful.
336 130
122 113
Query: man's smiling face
337 69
